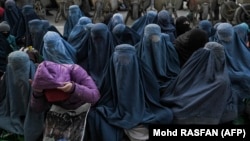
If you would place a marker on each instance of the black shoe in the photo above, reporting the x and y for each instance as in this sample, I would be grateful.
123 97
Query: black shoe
48 13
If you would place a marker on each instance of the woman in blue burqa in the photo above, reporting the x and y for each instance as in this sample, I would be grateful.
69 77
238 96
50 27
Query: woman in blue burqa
201 93
129 102
57 50
159 54
243 30
116 19
78 32
16 117
139 24
125 35
22 33
12 14
37 31
74 15
237 56
165 21
96 50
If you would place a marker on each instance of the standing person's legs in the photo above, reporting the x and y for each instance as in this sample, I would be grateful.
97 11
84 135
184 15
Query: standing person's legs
52 5
86 8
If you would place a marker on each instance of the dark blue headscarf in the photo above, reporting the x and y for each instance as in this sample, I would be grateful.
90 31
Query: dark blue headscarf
159 53
57 50
15 113
130 97
75 14
201 94
237 55
164 20
139 24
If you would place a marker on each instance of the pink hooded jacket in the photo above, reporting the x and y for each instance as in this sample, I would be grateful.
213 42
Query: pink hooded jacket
50 75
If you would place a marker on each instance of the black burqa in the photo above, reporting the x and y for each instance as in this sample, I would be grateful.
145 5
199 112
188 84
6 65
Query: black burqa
189 42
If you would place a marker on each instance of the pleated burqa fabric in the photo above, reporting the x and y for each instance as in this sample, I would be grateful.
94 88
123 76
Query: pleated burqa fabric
22 32
159 54
201 93
129 97
37 31
74 14
165 21
237 55
78 32
12 14
139 24
125 34
15 113
97 49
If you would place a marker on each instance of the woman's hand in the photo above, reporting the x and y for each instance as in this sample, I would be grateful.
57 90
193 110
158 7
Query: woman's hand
67 87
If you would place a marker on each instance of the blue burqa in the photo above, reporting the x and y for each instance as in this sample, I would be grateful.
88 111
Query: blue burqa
237 55
164 20
37 31
16 115
98 47
130 97
201 93
125 34
22 32
12 13
57 50
159 54
116 19
139 24
78 32
74 15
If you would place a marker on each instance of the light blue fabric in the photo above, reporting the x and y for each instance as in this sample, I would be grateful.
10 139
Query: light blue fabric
57 50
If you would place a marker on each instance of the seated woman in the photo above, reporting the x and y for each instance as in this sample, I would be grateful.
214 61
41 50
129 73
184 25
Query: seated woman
63 88
17 120
129 102
201 93
66 89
